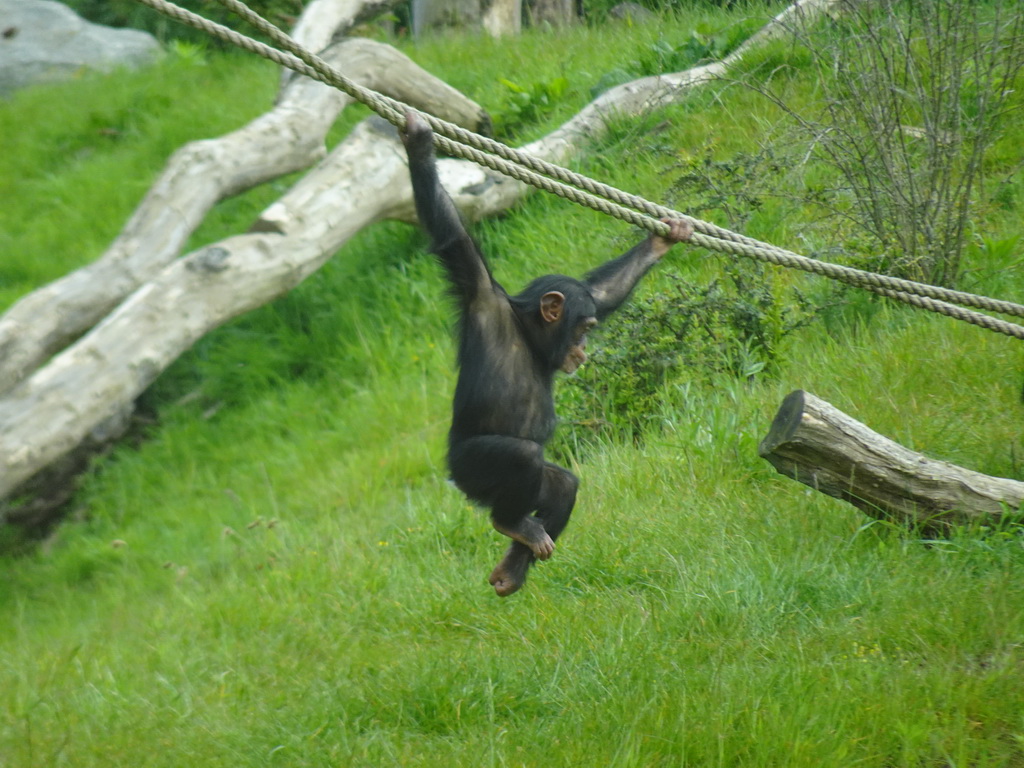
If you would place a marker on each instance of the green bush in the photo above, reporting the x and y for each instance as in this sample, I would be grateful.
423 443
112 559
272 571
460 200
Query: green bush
684 331
691 329
527 106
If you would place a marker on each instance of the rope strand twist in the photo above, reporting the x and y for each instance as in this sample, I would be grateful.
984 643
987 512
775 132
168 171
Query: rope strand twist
580 189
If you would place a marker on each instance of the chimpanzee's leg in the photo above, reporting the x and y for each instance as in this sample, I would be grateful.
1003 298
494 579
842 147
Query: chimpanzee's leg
507 474
510 475
557 498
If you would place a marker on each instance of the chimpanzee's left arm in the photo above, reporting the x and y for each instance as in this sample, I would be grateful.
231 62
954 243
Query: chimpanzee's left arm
467 270
612 282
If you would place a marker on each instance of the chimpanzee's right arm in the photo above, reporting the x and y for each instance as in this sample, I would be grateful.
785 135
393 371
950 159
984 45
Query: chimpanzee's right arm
612 282
460 256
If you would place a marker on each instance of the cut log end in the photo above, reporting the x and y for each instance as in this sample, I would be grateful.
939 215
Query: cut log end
818 445
784 425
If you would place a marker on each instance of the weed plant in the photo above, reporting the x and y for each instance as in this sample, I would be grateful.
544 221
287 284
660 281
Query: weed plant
278 574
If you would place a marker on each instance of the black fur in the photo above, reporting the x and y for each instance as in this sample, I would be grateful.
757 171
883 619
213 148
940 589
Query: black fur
503 411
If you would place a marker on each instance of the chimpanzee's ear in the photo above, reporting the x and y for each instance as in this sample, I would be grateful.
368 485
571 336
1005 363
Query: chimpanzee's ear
551 305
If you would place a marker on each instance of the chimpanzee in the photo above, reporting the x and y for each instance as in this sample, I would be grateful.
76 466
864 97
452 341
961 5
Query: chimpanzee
509 350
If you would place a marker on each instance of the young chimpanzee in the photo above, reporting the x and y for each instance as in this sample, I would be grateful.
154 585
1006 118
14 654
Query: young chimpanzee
509 350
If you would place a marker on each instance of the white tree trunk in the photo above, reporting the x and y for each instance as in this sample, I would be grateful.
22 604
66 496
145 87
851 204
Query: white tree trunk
325 21
503 17
199 175
497 17
364 180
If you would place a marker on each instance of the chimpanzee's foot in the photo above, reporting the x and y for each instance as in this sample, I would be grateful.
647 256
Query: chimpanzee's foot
530 532
510 574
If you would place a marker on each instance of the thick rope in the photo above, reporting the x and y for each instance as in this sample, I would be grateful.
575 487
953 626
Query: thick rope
580 189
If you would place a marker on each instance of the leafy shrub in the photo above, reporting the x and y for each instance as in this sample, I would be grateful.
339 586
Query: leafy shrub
683 331
525 106
703 45
664 57
599 10
688 330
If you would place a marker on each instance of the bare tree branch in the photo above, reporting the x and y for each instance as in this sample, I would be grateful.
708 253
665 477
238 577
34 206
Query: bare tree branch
364 180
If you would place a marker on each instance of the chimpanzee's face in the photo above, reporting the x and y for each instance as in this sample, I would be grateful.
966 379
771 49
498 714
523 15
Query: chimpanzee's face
577 354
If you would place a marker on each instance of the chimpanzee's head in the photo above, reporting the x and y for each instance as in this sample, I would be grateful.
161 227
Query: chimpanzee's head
559 311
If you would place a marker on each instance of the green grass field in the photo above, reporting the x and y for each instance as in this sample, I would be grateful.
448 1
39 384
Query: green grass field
277 573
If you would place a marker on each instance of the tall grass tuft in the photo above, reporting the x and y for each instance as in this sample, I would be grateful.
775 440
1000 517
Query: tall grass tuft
278 573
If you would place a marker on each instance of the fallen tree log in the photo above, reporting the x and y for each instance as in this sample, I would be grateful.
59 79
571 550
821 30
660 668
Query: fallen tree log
53 421
79 395
288 138
818 445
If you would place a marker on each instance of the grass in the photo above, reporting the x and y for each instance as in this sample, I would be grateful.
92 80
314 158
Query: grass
279 574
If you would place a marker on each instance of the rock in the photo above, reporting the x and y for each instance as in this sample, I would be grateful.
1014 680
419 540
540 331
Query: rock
44 41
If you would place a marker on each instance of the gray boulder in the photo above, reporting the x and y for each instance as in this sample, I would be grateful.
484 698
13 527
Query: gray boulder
43 41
